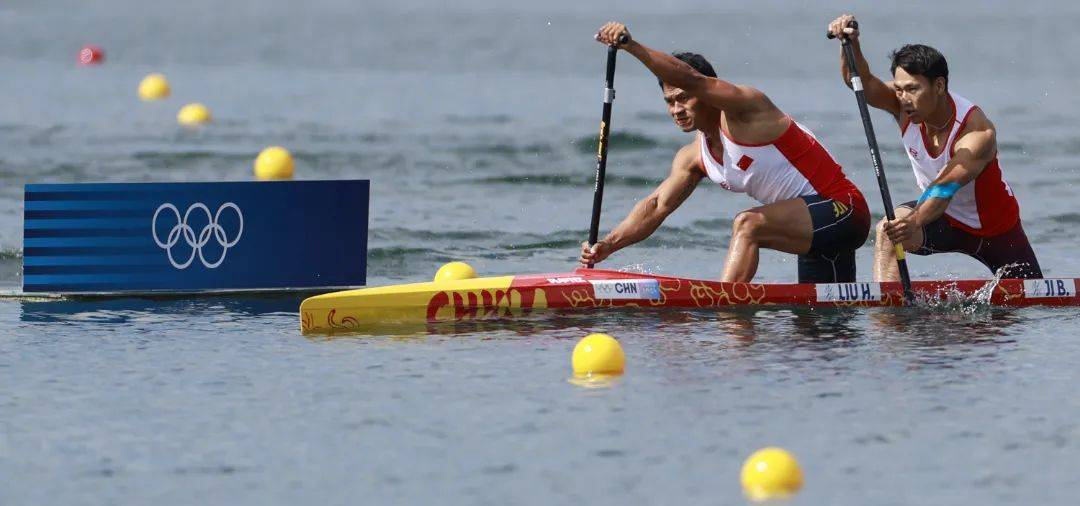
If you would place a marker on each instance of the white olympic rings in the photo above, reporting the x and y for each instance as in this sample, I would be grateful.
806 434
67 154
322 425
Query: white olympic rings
196 242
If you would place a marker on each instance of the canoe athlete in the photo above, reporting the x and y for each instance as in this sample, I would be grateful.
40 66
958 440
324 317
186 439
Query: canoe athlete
745 144
967 206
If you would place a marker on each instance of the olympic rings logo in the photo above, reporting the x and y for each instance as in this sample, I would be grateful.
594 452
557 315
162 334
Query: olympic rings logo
181 230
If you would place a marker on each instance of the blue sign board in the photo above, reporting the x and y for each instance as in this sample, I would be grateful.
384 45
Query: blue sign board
142 237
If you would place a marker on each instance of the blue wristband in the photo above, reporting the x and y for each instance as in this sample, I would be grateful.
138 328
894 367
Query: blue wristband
940 191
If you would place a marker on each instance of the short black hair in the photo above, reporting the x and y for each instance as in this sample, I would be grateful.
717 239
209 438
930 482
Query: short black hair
920 60
695 60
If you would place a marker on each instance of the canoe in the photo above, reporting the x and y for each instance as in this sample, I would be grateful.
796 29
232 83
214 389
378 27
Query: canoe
504 297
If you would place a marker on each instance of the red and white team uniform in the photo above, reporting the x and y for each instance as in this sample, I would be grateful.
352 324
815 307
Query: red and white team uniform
985 207
794 165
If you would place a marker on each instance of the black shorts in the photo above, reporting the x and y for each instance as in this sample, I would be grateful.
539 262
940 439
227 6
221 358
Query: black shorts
840 228
1009 251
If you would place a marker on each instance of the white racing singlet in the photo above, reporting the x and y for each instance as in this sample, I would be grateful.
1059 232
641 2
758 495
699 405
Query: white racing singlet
986 206
792 166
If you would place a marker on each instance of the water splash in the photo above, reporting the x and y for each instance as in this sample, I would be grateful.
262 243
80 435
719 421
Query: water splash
952 300
983 294
641 268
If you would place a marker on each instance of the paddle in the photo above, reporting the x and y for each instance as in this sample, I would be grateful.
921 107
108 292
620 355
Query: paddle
875 154
601 152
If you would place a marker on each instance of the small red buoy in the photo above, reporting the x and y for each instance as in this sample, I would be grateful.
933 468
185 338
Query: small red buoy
91 55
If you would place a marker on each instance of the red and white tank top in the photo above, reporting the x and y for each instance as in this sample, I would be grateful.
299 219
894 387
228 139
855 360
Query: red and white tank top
793 165
986 206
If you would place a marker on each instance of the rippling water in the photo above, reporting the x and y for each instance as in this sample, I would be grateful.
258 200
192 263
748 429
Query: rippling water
476 124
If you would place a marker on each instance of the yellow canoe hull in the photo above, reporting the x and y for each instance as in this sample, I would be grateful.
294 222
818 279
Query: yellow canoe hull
417 302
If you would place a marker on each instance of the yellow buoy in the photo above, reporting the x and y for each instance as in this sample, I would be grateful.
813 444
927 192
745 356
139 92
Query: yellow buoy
274 163
193 114
154 87
454 271
771 473
598 354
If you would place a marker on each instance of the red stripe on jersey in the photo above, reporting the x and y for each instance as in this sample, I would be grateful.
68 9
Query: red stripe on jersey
998 210
815 163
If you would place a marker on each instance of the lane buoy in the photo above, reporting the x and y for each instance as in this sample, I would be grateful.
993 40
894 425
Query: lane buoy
771 473
274 163
154 87
598 354
91 55
453 271
193 114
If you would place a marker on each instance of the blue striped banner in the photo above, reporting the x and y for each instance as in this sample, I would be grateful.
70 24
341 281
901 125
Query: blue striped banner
209 236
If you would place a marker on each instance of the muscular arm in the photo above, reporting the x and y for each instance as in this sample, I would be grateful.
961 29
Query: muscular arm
973 150
879 94
651 211
715 92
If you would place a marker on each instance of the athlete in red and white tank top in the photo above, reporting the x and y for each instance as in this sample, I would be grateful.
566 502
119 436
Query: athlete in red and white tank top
794 165
985 207
746 144
966 206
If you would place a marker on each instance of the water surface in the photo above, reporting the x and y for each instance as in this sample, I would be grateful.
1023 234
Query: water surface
476 124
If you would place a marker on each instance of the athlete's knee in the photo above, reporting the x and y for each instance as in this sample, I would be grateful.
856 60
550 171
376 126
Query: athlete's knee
879 230
748 224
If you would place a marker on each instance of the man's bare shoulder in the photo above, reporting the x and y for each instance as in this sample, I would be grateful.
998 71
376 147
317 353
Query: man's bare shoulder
976 135
689 156
756 104
976 121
